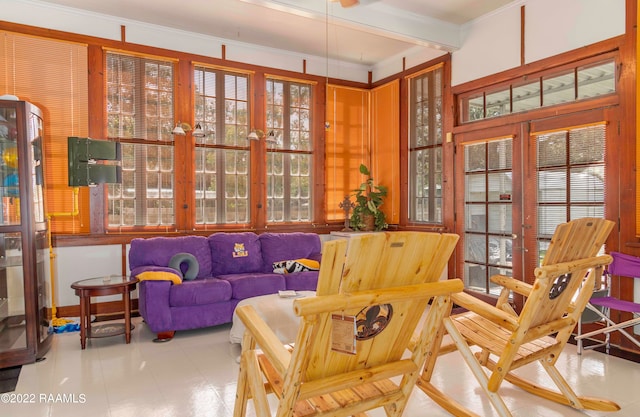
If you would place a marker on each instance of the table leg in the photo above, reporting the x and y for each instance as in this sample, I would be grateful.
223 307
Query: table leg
83 322
127 315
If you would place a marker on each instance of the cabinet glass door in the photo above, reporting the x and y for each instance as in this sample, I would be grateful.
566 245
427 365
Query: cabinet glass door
9 179
12 306
12 295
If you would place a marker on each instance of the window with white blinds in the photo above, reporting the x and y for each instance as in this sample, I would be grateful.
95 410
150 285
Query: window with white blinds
53 75
140 115
570 176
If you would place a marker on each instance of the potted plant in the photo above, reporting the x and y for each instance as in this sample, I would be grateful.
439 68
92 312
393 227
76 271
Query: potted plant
366 214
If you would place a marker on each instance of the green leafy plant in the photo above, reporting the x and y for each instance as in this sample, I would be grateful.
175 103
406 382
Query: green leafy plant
366 214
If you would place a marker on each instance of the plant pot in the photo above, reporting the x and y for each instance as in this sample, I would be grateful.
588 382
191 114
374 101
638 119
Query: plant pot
369 221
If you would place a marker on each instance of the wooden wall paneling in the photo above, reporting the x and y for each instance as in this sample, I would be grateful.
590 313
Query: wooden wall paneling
258 211
385 145
183 145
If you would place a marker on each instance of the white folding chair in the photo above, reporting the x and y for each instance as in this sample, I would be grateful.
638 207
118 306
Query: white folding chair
593 314
623 265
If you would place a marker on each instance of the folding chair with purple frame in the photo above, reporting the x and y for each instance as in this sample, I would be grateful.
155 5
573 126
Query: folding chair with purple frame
623 265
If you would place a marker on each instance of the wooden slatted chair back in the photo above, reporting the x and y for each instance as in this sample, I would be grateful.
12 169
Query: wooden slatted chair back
508 341
561 275
374 263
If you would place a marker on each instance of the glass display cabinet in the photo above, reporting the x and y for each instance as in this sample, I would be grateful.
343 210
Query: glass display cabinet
25 318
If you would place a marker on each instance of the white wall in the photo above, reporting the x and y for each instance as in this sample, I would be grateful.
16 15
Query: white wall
70 20
76 263
491 43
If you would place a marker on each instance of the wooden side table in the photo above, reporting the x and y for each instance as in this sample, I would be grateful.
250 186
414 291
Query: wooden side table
96 287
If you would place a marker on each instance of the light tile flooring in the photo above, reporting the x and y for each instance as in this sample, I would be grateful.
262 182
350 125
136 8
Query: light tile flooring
195 375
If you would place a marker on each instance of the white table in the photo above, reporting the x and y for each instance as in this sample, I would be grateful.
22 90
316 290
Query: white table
276 311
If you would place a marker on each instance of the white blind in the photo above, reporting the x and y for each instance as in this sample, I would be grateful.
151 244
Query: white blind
571 176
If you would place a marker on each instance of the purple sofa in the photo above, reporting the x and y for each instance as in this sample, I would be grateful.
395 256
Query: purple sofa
232 267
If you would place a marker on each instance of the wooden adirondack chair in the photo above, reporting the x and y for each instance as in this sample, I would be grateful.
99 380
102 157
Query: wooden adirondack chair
381 287
562 288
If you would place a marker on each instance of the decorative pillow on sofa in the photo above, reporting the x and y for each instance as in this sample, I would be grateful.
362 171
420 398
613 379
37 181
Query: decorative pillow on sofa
158 251
294 245
295 265
235 253
160 276
186 264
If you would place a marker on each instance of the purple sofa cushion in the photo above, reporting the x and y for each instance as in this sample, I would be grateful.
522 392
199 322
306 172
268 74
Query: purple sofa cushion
235 253
158 251
278 247
254 284
199 292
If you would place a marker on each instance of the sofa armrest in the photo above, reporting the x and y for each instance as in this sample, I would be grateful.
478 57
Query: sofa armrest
153 303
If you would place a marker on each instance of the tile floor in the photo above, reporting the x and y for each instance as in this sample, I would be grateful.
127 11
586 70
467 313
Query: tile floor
195 375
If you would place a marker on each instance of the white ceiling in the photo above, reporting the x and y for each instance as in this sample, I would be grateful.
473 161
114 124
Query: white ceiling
366 34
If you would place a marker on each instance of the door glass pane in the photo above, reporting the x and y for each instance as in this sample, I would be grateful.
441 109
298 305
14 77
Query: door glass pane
549 217
475 218
500 218
586 185
499 186
552 149
12 303
500 251
552 186
475 188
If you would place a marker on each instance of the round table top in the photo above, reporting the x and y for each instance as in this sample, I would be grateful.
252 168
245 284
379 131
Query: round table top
104 282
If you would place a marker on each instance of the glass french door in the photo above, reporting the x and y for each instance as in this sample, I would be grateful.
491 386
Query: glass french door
515 184
490 203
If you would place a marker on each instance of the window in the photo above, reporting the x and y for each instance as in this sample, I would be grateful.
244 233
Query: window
59 85
140 115
222 156
558 87
425 147
290 154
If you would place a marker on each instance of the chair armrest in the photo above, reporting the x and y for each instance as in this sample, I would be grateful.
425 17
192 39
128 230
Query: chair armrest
486 310
513 284
269 343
